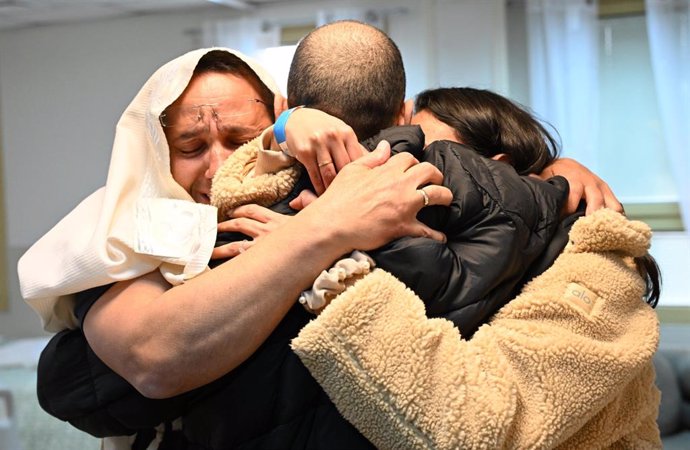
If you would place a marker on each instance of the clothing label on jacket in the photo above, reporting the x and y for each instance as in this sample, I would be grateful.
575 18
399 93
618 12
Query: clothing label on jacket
580 296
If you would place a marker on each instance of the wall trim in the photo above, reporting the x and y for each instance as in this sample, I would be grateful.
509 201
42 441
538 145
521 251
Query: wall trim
612 8
673 314
664 216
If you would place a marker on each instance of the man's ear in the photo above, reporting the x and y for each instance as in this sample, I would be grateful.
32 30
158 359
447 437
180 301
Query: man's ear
503 157
279 104
406 111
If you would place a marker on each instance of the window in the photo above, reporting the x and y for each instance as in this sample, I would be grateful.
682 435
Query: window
613 77
632 157
590 74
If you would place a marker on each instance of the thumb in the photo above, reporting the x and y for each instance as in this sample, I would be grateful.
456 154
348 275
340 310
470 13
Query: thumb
302 200
380 155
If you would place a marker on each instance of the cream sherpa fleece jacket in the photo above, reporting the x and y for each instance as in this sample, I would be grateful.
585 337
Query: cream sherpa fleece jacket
567 364
236 182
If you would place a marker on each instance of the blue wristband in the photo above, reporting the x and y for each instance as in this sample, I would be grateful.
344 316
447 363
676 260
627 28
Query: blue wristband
279 129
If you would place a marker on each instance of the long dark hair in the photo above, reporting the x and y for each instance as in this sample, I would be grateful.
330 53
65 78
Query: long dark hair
492 124
649 271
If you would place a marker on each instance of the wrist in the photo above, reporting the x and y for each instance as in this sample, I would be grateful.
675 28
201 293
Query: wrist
330 236
279 130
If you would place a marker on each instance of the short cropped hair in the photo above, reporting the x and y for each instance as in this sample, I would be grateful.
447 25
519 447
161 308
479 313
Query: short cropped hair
352 71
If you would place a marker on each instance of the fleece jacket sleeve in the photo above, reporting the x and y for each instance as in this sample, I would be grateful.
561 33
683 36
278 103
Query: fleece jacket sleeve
567 364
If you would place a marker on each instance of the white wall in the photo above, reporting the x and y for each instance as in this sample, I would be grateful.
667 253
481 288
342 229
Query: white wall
62 89
443 42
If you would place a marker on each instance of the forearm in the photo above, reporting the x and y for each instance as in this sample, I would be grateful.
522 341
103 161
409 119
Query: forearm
204 328
208 326
557 366
406 381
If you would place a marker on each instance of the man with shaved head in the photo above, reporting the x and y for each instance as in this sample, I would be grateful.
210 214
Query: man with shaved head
355 72
352 71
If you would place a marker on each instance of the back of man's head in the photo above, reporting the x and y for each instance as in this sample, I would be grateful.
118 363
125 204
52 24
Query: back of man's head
350 70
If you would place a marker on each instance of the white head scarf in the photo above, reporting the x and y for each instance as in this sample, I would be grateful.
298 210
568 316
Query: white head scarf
139 221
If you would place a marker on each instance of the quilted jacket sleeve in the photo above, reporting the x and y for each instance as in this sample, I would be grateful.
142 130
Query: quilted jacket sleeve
497 225
566 364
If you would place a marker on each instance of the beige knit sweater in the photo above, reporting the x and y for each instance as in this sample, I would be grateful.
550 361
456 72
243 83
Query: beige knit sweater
567 364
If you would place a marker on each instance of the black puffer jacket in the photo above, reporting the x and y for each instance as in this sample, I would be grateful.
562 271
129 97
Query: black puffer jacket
498 224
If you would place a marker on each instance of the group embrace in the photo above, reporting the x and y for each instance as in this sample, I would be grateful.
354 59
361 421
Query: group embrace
343 270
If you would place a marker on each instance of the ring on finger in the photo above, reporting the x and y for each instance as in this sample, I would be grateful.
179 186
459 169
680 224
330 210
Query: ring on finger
325 163
425 196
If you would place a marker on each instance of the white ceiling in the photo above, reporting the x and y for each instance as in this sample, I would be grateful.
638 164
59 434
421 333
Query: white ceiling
24 13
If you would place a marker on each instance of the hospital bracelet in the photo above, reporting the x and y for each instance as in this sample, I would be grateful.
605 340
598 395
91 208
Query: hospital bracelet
279 129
